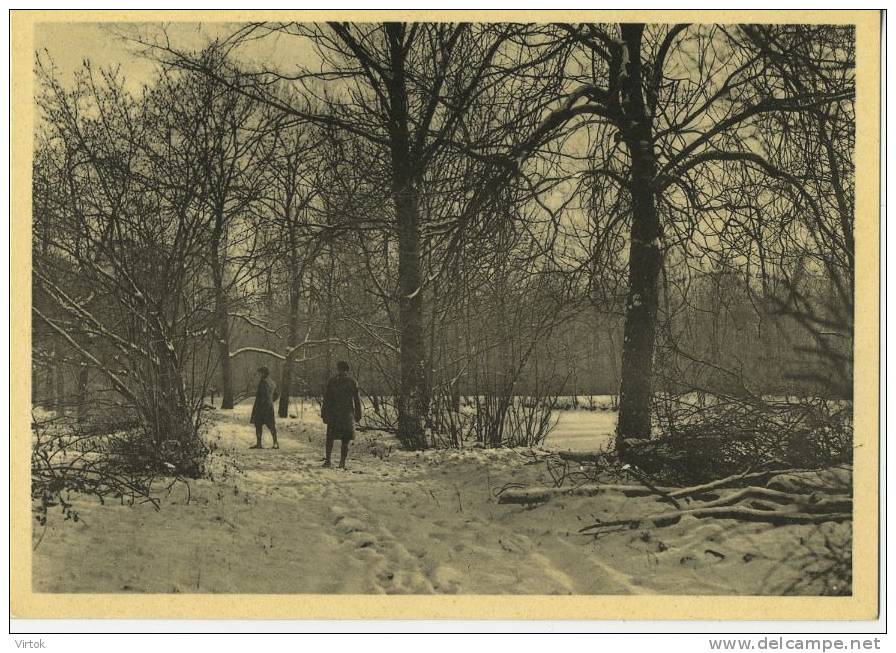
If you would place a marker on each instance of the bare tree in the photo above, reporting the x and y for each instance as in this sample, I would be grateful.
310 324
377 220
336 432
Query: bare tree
235 146
675 110
116 283
296 173
388 84
683 100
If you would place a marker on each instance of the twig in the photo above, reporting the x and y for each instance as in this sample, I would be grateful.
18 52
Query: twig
664 494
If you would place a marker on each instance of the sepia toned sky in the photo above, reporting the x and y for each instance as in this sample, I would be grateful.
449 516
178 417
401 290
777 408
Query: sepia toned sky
110 45
106 45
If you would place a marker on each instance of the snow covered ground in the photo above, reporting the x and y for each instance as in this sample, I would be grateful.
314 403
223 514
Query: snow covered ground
402 522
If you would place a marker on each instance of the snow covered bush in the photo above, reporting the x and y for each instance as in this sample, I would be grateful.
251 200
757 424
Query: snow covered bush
68 460
120 237
704 437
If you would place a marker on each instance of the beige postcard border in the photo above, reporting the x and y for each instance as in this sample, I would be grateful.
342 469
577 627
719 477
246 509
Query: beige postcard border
25 603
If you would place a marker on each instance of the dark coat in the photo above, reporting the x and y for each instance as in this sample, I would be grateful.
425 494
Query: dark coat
265 396
341 407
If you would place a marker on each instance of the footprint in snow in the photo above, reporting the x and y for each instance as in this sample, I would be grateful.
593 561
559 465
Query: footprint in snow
515 543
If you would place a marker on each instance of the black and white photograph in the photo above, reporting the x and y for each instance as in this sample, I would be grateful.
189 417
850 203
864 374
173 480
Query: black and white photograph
450 307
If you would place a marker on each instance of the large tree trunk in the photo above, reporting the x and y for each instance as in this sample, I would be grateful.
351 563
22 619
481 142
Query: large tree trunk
170 418
223 332
328 315
285 384
222 318
58 381
49 383
286 374
413 397
645 258
83 380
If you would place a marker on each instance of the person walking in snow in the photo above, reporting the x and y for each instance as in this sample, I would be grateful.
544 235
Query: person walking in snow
341 404
263 408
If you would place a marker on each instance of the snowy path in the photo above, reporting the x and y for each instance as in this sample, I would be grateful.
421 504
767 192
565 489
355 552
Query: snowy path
414 526
395 522
278 522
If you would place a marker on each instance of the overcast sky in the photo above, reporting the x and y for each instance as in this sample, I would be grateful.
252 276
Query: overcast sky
69 44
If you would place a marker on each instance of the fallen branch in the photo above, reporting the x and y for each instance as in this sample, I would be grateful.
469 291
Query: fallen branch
542 494
662 493
777 517
735 480
808 503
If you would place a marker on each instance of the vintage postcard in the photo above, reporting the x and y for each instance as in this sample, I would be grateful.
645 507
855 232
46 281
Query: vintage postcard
471 315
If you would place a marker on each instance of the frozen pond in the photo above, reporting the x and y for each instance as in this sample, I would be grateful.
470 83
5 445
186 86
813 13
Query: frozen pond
583 430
